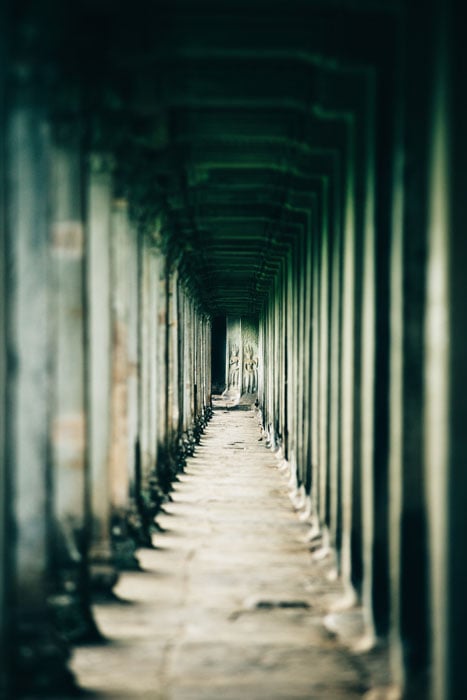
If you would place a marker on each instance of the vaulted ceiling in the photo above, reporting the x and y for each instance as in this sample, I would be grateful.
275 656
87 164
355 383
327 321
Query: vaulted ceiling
227 119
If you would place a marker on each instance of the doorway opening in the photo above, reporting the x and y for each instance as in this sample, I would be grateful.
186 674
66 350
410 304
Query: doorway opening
218 354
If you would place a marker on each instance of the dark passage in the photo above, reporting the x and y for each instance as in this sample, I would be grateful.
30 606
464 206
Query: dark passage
219 331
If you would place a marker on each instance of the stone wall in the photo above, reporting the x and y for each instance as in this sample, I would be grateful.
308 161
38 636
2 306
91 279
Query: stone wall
242 358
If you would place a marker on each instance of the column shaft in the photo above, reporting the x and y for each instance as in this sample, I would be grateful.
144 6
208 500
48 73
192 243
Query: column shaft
99 191
39 657
124 544
68 430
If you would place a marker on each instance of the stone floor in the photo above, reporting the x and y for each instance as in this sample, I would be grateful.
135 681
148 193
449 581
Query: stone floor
230 604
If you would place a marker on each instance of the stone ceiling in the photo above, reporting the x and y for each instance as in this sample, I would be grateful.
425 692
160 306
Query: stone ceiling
227 120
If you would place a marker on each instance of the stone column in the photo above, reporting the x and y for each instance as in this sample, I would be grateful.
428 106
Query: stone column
146 456
368 355
273 313
438 394
293 428
450 90
445 381
153 472
5 483
206 365
5 496
208 399
197 374
306 355
323 376
262 321
289 423
316 340
173 358
137 521
191 379
301 335
190 388
68 429
414 579
280 323
154 368
161 365
124 545
99 192
150 386
335 365
347 358
39 658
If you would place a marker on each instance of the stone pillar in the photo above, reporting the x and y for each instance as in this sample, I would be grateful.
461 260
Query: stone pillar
274 315
39 658
292 353
154 470
156 365
194 375
99 192
185 386
438 394
207 367
5 483
290 424
302 323
152 368
414 578
146 455
316 340
368 350
306 359
124 545
445 381
347 358
323 376
335 362
267 395
173 359
189 381
280 323
450 172
195 372
68 413
137 523
395 400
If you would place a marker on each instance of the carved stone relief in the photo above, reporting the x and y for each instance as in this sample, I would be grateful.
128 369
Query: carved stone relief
250 370
234 367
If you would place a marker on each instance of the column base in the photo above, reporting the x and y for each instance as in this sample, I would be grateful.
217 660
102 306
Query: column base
40 662
166 470
141 522
103 574
69 602
123 545
73 618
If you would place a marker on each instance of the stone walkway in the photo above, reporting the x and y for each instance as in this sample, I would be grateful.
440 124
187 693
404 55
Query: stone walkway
230 604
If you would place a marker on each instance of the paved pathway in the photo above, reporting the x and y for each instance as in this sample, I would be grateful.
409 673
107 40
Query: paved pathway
230 604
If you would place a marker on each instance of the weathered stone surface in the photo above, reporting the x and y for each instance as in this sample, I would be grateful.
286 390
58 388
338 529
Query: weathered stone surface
230 603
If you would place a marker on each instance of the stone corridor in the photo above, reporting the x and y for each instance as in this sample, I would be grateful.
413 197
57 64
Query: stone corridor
231 603
233 324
